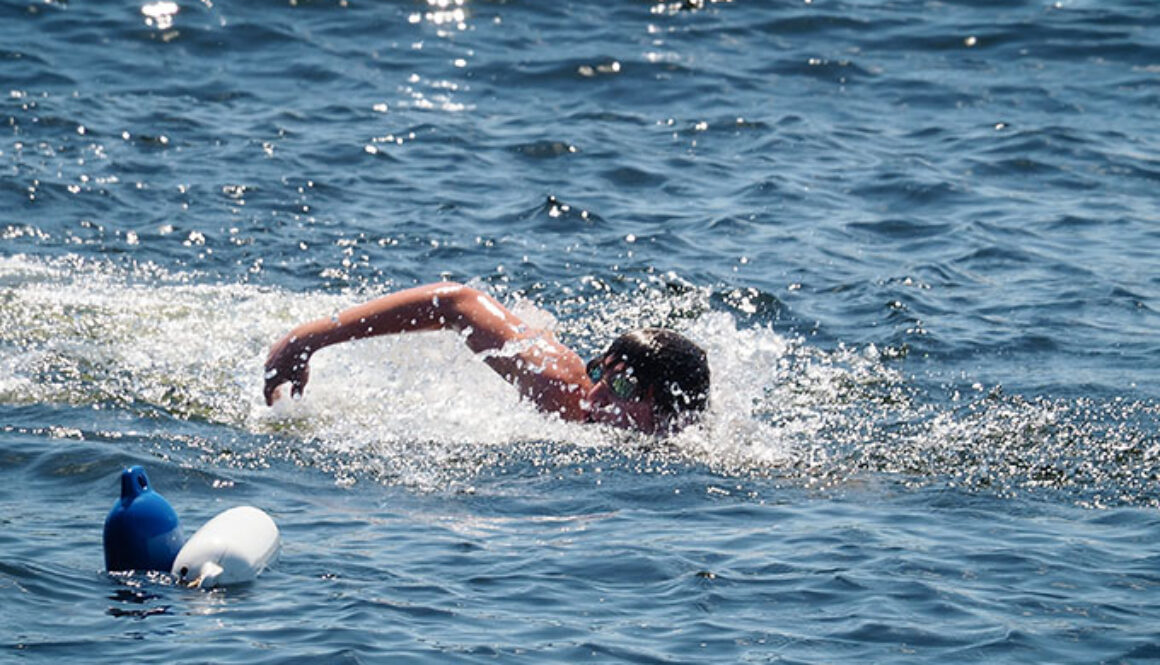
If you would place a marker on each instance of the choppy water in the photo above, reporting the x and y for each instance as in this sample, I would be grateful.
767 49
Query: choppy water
917 239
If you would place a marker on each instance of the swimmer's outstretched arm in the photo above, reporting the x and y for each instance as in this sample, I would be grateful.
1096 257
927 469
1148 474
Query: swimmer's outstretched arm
544 370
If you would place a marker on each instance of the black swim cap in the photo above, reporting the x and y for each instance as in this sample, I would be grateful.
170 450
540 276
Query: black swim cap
675 367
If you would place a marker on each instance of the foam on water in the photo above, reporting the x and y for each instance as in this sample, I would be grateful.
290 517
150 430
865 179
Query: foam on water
420 410
918 240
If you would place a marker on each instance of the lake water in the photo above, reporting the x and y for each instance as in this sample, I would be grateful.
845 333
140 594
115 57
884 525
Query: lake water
918 240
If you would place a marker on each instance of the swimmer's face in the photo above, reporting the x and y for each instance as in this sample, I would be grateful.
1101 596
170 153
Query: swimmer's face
616 398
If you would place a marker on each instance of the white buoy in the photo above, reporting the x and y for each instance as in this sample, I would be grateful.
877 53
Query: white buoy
232 548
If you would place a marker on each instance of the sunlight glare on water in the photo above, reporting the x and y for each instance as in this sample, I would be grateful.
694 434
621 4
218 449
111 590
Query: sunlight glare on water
160 15
916 239
408 409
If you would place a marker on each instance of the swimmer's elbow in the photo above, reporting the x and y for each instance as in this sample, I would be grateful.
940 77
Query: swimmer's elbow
454 305
448 288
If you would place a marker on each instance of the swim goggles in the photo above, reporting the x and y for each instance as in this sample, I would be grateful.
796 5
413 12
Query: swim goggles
623 384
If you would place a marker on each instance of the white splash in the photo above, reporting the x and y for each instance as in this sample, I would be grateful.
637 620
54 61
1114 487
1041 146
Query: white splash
423 410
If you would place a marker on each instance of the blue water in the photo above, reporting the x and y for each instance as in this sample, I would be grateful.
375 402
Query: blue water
917 239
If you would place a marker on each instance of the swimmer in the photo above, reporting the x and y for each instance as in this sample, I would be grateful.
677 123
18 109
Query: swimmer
652 380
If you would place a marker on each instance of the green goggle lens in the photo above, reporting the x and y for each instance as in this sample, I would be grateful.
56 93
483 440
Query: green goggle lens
622 384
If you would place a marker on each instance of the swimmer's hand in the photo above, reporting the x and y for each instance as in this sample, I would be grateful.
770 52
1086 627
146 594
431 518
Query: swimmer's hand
288 362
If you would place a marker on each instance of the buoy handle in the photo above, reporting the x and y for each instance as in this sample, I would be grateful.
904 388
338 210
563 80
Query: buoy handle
134 483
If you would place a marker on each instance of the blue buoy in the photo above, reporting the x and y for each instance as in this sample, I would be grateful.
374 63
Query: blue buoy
142 531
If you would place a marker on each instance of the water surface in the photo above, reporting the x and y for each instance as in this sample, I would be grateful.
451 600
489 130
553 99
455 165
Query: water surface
916 239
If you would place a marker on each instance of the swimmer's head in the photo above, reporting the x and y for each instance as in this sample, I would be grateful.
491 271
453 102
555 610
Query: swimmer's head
669 367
